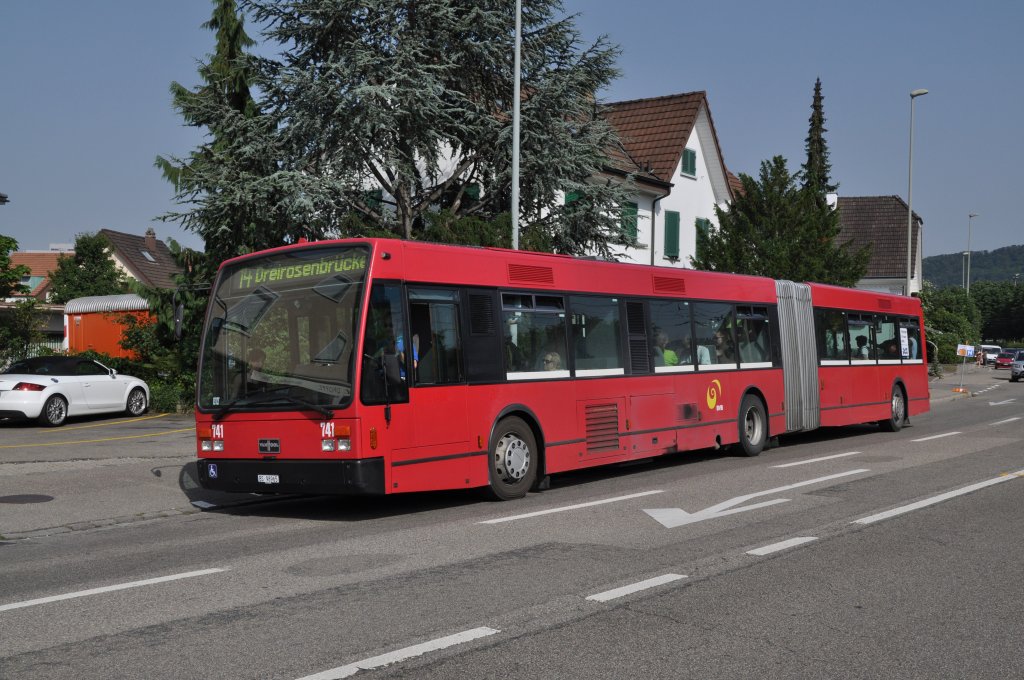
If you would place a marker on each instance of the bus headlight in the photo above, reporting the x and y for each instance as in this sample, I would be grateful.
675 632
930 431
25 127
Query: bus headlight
205 445
327 445
218 444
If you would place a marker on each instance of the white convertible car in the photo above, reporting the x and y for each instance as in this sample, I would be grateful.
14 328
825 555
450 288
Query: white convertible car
54 388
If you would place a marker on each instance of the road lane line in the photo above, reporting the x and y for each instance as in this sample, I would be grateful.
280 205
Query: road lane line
1003 422
569 507
402 654
107 424
817 460
635 587
782 545
935 436
95 441
937 499
108 589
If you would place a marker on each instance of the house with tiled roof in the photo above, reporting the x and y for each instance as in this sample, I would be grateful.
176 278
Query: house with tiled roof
143 258
881 222
40 264
670 147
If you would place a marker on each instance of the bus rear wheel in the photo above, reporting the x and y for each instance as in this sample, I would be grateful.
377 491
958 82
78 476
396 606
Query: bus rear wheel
513 459
753 425
897 411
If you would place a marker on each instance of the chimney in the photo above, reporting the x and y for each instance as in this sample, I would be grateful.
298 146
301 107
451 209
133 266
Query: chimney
151 240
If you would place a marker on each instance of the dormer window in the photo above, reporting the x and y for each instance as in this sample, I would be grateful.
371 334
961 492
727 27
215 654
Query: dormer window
689 165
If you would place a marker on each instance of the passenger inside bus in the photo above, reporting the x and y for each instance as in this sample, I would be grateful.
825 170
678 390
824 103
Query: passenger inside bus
663 355
862 347
552 361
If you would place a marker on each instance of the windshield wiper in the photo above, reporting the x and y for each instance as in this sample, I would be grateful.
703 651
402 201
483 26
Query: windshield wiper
269 397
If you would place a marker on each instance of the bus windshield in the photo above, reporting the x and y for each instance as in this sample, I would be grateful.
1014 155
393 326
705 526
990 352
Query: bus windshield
281 331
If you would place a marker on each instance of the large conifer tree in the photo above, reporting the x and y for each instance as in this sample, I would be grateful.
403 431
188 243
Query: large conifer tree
89 271
390 113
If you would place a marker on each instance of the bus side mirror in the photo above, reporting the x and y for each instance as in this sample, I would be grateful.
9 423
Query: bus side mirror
179 317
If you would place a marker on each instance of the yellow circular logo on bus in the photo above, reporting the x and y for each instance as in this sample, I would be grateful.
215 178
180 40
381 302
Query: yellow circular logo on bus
714 389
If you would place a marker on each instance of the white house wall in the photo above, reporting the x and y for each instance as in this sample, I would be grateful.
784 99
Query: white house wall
692 197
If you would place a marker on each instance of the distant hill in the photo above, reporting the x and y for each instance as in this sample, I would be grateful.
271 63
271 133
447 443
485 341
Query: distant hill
986 265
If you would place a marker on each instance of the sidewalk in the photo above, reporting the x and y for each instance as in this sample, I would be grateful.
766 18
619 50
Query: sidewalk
974 378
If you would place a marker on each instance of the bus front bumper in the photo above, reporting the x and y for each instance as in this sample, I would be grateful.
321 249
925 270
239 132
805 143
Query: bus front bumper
338 477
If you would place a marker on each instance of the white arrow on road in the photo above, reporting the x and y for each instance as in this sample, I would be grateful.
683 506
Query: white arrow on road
677 517
1004 402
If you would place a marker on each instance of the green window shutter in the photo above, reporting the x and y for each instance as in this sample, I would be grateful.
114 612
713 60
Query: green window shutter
672 234
571 197
629 213
689 162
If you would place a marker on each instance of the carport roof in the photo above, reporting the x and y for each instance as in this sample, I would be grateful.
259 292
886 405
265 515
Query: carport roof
128 302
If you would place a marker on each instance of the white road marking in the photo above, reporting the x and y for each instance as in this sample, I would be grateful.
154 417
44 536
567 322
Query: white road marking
782 545
935 436
203 505
937 499
402 654
817 460
108 589
677 517
1004 402
635 587
1003 422
569 507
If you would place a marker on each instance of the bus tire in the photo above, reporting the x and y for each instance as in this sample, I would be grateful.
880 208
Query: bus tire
897 411
55 411
514 458
753 424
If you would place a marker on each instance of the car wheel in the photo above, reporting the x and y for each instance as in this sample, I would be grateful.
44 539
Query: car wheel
513 459
897 411
137 403
55 411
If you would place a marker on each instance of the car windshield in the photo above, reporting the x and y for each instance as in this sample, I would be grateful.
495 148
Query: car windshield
283 324
1006 355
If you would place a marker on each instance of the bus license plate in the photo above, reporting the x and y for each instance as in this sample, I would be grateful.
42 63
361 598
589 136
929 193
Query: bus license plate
268 479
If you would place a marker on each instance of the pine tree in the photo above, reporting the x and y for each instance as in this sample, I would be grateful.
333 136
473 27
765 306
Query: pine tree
89 271
223 182
817 168
392 111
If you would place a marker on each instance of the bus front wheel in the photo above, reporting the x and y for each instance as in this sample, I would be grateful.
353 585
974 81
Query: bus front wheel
513 459
897 411
753 425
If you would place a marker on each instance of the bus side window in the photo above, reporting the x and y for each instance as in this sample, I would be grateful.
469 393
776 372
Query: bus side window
885 338
753 335
909 350
830 329
436 347
861 341
534 330
671 334
596 333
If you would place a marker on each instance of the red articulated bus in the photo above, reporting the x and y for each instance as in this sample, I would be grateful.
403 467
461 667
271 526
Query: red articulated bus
382 366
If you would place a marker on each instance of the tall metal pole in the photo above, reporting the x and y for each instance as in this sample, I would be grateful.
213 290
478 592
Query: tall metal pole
515 128
910 189
969 218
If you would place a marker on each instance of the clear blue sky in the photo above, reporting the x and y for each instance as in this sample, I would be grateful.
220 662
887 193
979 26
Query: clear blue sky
85 105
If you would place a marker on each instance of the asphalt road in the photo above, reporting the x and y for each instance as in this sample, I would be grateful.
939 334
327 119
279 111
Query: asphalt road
843 553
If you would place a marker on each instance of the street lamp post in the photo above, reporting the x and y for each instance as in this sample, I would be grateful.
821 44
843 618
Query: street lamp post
970 217
914 94
515 126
